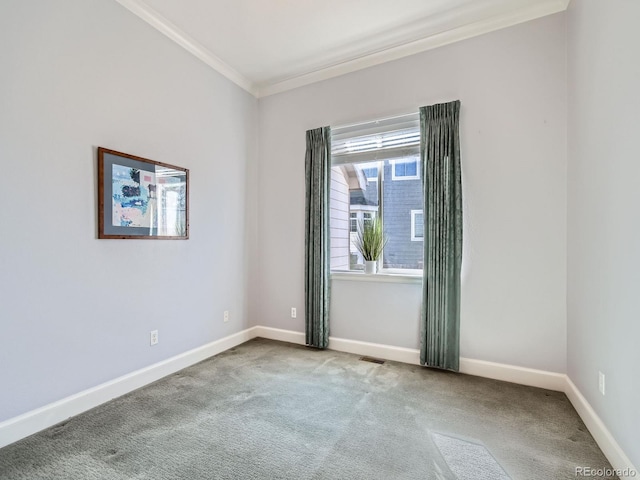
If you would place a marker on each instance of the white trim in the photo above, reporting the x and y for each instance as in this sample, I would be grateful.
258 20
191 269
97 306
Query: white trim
514 374
289 336
413 226
363 208
353 216
31 422
164 26
481 368
355 276
600 432
388 352
535 10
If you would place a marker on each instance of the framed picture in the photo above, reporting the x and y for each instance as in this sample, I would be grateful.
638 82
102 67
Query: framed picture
141 198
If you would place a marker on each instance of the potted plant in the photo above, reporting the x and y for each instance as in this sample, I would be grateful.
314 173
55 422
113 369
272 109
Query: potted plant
370 240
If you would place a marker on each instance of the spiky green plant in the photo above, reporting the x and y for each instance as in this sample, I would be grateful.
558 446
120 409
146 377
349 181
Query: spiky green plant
370 239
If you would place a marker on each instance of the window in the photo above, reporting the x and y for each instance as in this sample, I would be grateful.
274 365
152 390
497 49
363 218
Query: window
366 219
417 226
370 172
405 169
366 159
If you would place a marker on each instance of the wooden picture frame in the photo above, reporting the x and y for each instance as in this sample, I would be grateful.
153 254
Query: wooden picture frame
140 198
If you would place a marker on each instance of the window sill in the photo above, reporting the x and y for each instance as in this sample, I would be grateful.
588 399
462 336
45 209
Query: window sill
377 277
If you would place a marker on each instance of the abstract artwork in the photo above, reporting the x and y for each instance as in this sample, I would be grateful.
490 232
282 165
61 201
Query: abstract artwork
141 198
133 197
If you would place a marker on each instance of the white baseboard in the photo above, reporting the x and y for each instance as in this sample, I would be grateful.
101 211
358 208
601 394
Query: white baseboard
481 368
511 373
601 433
31 422
288 336
398 354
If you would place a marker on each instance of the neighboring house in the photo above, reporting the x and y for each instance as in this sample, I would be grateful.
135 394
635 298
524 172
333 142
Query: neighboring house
402 214
355 200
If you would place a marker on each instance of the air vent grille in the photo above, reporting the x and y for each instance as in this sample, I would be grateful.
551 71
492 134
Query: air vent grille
372 360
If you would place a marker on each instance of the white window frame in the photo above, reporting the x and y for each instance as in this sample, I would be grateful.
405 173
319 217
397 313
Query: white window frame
404 177
367 218
351 219
391 139
413 225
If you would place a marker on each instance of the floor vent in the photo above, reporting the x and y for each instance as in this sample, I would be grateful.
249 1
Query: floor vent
372 360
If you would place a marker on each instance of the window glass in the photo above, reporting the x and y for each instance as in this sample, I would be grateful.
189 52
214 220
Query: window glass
398 209
371 173
405 169
367 160
417 225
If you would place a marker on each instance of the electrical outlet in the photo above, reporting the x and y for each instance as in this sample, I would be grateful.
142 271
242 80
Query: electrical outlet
294 313
226 315
601 382
154 337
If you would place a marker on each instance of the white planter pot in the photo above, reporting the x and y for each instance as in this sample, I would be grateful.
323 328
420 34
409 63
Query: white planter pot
370 266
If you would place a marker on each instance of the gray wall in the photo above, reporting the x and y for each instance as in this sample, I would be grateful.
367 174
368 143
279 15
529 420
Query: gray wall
603 212
399 198
512 84
77 74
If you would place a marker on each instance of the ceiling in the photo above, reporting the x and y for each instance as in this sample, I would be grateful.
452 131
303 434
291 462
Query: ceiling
269 46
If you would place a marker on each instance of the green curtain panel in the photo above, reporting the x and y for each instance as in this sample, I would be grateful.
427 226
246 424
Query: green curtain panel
440 155
317 173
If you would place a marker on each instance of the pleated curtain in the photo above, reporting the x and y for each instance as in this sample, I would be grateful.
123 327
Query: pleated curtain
440 155
317 174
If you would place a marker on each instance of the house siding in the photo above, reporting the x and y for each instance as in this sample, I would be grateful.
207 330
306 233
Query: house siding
339 220
399 198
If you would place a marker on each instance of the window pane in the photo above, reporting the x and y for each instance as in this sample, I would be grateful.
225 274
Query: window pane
339 220
371 173
398 200
406 168
366 219
355 200
419 225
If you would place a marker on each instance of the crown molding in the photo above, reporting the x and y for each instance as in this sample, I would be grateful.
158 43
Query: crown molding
153 18
534 10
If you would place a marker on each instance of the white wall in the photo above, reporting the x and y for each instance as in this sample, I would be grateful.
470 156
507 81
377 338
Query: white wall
376 312
604 211
76 311
512 85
